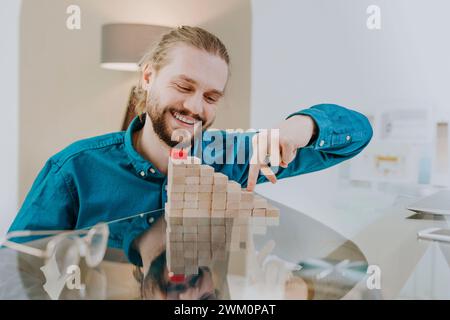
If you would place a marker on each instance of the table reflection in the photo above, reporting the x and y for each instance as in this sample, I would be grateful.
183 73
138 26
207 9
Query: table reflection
294 258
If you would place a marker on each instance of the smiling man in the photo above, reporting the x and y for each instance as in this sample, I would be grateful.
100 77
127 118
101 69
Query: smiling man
182 81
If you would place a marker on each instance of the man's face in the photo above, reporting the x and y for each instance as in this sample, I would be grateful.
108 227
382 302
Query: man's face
185 92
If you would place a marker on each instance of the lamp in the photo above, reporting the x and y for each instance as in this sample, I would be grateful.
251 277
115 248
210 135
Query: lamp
123 44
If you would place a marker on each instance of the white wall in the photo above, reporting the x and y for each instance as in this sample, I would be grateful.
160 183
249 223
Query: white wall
9 65
314 51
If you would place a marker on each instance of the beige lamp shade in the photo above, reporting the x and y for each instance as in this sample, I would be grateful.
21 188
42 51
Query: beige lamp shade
123 44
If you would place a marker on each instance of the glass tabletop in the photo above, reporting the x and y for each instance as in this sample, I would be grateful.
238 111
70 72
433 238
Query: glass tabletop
294 257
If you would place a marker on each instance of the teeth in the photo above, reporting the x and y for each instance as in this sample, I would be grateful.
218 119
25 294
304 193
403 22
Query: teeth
184 119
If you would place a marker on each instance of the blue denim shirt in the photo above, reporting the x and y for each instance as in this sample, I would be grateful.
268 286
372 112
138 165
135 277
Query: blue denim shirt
104 178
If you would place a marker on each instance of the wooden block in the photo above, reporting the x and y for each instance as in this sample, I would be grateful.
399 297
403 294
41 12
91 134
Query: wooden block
174 263
218 237
205 188
242 221
203 262
219 197
204 246
217 213
207 180
174 220
233 187
172 188
193 171
204 204
217 221
204 253
246 204
173 212
204 229
272 211
203 221
231 213
190 204
234 196
217 229
190 229
219 255
191 180
245 212
175 170
204 237
190 222
218 205
206 171
260 202
191 270
178 180
176 228
192 188
178 245
190 237
218 246
220 188
190 262
220 178
175 236
259 212
190 213
190 254
233 205
175 204
177 196
247 195
191 196
204 196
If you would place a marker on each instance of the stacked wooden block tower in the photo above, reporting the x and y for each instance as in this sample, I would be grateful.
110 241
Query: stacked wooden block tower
208 215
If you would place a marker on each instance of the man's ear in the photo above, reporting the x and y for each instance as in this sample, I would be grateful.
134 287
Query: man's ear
147 76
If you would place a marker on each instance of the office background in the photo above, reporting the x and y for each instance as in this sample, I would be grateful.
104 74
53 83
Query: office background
286 55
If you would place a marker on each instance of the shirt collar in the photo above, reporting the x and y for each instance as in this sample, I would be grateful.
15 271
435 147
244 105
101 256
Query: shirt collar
141 165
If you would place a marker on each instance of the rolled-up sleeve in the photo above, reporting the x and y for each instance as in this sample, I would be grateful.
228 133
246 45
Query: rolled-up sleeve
340 134
341 131
49 205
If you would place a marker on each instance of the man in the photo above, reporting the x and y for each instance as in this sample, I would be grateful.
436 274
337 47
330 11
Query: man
124 173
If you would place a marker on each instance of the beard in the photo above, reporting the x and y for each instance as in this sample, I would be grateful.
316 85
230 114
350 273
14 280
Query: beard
159 117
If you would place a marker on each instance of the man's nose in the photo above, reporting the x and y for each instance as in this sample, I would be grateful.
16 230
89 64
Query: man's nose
194 104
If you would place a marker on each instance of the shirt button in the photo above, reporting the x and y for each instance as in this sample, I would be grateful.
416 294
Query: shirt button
151 220
142 173
321 143
347 138
152 170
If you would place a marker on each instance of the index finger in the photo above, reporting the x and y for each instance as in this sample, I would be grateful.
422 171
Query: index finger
253 172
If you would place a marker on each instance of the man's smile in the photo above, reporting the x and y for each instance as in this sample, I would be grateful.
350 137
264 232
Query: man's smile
184 120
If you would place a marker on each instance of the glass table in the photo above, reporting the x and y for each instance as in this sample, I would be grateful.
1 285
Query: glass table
295 258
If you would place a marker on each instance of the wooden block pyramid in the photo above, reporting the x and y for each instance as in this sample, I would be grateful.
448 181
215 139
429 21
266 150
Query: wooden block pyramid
208 214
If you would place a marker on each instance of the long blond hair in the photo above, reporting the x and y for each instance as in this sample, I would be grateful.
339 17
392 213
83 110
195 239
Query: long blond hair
157 56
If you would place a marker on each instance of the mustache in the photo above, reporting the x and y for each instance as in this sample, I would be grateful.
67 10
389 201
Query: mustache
187 113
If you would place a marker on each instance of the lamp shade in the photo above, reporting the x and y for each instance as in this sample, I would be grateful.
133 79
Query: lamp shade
124 44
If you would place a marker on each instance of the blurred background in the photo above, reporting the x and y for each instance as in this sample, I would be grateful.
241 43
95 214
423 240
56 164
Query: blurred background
286 55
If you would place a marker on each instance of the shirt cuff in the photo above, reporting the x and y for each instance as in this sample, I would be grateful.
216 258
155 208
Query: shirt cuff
323 128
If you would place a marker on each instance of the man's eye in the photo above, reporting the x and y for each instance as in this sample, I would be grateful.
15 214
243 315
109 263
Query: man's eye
210 100
183 89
